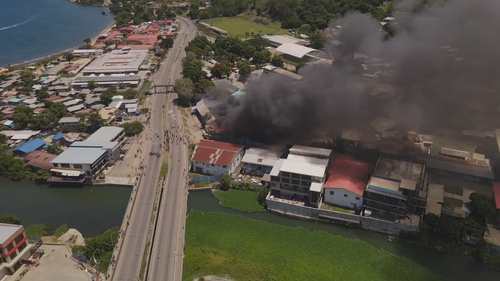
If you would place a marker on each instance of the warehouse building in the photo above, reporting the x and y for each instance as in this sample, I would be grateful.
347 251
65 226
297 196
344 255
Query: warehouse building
120 61
28 147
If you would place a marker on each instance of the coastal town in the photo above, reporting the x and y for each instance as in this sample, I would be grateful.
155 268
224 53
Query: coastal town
307 123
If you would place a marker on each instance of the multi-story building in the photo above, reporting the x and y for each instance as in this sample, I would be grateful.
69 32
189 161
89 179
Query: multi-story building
216 158
258 160
397 186
14 247
302 175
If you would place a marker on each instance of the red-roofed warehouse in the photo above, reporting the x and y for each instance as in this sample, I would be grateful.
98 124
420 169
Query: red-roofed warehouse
216 158
347 182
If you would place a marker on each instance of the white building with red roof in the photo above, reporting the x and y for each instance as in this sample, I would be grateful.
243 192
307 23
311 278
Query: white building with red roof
216 158
347 183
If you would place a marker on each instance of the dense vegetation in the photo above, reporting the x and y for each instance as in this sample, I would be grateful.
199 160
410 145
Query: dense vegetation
10 166
309 15
245 249
241 200
6 218
100 248
138 12
132 128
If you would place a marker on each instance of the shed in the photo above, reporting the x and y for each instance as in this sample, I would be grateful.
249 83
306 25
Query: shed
29 146
294 50
58 137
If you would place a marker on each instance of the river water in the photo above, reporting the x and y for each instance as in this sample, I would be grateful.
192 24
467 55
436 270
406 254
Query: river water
31 29
90 209
451 266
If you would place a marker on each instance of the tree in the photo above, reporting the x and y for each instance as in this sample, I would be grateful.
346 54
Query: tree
44 122
482 204
107 96
95 121
201 85
278 61
22 117
292 23
262 195
68 56
317 41
192 67
132 128
244 70
87 42
92 85
41 175
247 34
184 87
58 109
167 43
220 70
54 149
5 218
262 57
225 183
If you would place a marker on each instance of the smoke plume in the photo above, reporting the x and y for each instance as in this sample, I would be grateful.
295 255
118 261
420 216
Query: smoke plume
443 75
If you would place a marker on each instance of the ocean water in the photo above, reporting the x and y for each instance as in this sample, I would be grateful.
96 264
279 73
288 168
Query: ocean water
31 29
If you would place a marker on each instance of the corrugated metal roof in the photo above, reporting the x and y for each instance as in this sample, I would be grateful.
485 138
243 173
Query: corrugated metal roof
460 169
294 50
77 155
58 136
30 146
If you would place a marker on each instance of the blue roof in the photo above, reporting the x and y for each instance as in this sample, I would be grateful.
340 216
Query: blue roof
16 100
238 93
30 146
58 136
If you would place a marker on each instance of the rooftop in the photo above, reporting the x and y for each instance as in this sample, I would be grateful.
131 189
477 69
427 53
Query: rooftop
261 157
30 146
307 159
40 159
92 144
386 186
58 136
7 230
118 61
283 39
481 172
105 134
214 152
349 174
69 120
301 149
398 169
78 155
294 50
303 168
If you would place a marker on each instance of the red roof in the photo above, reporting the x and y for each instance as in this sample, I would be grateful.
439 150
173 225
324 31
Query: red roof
127 29
40 159
214 152
496 193
349 174
169 21
39 110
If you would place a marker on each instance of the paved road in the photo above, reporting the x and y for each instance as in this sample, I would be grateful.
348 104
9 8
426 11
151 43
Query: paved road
129 263
167 254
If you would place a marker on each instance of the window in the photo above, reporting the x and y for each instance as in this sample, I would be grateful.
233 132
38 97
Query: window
259 160
22 247
331 192
357 198
9 247
65 165
13 255
296 176
77 166
295 181
273 184
224 166
285 174
305 183
345 195
19 238
307 178
213 165
56 165
273 178
285 180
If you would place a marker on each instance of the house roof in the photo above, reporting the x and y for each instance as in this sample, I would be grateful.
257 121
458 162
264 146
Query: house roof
40 159
496 194
78 155
348 174
53 98
294 50
261 157
69 120
30 146
301 149
303 168
214 152
58 136
105 134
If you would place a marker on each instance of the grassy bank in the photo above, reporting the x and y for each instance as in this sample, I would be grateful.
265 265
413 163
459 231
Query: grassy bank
240 200
38 230
244 249
238 26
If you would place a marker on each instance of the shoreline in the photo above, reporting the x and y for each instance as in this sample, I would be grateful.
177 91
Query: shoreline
58 53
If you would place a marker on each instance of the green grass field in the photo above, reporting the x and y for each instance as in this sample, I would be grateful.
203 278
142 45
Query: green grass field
245 249
238 26
245 201
36 230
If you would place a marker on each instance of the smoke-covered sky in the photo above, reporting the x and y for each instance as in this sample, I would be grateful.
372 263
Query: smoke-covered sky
446 71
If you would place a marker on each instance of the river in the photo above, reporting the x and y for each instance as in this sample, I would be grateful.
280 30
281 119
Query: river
32 29
453 267
90 209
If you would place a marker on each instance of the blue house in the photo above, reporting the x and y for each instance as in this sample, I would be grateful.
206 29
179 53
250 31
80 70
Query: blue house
28 147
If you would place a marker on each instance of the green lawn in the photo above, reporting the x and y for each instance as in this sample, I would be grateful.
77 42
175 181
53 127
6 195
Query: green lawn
245 249
238 26
36 230
164 170
61 230
240 200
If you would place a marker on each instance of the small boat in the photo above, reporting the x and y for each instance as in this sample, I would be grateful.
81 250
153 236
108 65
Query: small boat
103 13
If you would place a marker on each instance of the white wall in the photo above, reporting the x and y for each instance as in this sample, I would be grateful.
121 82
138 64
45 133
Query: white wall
210 169
343 198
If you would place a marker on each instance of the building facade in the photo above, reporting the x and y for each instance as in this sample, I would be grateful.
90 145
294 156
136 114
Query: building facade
216 158
14 247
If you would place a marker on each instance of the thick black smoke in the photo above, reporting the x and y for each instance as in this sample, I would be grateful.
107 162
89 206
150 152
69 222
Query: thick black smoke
445 65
